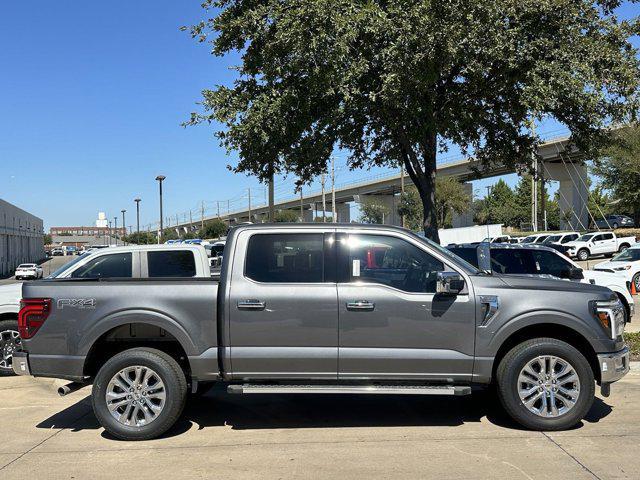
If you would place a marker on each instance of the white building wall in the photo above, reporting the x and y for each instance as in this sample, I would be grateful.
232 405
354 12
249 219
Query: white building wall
21 238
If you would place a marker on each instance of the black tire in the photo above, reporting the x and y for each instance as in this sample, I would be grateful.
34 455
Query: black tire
636 281
509 371
169 372
6 367
623 247
615 225
583 255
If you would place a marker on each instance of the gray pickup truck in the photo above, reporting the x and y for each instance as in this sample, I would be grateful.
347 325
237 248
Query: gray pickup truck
325 308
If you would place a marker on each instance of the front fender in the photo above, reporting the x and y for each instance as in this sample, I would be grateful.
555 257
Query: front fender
150 317
496 338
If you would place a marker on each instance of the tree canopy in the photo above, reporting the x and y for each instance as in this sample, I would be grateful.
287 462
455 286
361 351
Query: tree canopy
397 82
213 229
619 172
451 199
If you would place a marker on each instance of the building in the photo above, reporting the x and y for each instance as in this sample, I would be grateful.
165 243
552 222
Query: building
21 238
86 231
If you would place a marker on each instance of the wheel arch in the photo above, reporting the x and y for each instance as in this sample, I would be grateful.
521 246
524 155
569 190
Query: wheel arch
548 330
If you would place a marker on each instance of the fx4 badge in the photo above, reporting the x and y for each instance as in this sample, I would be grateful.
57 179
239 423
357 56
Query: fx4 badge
81 303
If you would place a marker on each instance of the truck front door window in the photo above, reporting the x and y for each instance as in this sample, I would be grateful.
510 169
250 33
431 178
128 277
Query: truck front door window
391 261
116 265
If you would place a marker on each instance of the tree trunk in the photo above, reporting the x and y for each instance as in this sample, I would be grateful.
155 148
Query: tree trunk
423 174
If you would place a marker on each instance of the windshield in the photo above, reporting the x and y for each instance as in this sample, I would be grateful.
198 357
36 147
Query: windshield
57 272
530 239
585 238
552 238
455 258
628 255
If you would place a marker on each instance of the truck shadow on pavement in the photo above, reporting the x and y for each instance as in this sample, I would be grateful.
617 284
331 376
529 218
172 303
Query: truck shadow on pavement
217 408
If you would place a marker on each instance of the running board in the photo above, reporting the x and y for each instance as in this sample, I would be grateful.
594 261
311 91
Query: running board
352 389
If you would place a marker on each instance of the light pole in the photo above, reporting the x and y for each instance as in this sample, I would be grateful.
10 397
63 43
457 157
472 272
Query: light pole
488 187
160 179
115 229
137 200
124 224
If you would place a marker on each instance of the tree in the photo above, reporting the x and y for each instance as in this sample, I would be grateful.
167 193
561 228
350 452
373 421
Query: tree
47 239
213 229
373 212
619 171
396 82
286 216
169 234
498 205
451 199
141 238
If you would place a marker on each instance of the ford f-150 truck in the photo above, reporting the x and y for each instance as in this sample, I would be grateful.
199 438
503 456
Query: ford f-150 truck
325 308
598 243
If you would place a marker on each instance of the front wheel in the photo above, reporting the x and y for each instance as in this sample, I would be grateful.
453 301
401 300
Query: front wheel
636 282
139 394
583 255
546 384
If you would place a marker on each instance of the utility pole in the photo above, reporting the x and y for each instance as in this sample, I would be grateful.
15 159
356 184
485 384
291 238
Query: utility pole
324 202
534 185
138 200
249 191
109 233
488 187
190 221
124 224
301 206
115 229
272 209
402 190
333 191
202 215
160 179
218 204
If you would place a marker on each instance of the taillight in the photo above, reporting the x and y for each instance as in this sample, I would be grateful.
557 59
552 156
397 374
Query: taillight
33 313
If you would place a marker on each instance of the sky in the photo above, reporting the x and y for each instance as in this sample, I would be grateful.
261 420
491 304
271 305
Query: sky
92 95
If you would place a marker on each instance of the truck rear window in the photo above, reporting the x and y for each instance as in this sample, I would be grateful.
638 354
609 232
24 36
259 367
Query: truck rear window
171 263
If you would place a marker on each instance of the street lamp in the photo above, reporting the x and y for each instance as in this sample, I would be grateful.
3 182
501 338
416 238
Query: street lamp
124 224
160 179
137 200
115 229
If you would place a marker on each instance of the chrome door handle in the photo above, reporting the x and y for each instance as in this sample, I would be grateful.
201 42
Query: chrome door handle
250 305
361 305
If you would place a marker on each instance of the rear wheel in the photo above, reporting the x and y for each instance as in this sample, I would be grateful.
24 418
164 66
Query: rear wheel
9 342
623 247
583 254
615 225
139 394
546 384
636 281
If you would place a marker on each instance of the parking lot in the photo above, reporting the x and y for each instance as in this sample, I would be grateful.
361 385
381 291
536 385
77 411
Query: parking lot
306 436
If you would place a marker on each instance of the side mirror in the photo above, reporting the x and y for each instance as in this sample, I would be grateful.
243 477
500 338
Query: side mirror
572 273
449 283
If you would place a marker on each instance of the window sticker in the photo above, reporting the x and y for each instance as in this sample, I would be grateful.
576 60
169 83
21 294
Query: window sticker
356 268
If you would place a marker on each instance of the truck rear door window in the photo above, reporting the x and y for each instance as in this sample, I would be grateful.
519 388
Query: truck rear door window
171 263
285 258
115 265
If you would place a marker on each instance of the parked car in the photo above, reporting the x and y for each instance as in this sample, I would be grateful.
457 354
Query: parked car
402 315
28 270
625 264
615 221
542 260
215 251
500 239
598 243
535 238
57 252
560 238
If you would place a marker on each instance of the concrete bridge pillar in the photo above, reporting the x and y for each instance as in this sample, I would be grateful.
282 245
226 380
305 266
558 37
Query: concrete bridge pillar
573 195
343 212
390 202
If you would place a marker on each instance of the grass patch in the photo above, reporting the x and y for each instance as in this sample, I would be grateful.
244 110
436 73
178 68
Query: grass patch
633 341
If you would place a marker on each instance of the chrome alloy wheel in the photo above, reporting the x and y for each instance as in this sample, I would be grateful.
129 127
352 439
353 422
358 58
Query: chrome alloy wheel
548 386
9 342
135 396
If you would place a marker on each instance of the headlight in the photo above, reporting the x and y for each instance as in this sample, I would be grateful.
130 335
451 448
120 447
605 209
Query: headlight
610 314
